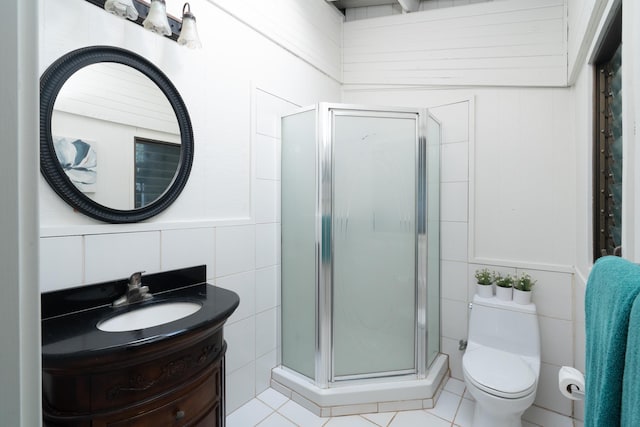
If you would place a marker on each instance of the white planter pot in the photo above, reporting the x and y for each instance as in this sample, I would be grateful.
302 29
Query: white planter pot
484 291
504 294
521 297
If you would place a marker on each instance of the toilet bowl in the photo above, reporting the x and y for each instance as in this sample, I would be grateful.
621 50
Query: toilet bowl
501 364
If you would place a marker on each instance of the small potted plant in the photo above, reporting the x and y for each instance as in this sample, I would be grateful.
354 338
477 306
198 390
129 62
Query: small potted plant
484 279
522 289
504 286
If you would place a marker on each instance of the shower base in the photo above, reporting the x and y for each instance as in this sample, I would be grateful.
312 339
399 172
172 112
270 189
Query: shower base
365 396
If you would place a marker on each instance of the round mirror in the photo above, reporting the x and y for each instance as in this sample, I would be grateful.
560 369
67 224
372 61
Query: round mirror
115 136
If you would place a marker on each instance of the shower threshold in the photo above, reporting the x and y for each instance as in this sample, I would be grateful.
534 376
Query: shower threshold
364 397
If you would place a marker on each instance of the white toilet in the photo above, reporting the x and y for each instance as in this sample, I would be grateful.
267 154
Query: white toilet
501 365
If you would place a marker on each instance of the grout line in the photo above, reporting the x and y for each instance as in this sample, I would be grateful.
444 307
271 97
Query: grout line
262 420
455 415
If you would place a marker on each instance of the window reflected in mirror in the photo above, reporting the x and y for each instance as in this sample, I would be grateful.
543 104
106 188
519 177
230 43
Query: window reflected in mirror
156 163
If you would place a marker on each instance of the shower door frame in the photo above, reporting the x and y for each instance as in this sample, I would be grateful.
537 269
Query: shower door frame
324 374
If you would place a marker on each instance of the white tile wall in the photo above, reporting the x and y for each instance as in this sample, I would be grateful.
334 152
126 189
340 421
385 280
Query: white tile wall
454 195
241 342
455 120
450 346
553 294
455 164
266 332
548 395
267 288
269 110
188 247
264 365
453 241
267 245
256 249
453 280
453 201
557 340
454 319
235 249
244 285
267 198
267 151
111 256
61 262
240 387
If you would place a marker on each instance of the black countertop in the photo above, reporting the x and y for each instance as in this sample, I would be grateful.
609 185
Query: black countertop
69 330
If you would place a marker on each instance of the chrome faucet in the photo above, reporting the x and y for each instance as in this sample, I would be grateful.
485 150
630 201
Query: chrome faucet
135 291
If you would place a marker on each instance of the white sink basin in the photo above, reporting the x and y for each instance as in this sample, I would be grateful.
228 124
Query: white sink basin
148 316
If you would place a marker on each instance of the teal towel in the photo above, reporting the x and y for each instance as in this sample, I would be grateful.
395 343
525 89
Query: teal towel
631 379
612 288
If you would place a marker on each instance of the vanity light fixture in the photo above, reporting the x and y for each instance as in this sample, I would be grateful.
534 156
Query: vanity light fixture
189 32
153 16
157 20
122 8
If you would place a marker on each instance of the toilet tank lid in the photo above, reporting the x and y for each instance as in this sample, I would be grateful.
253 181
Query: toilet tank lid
506 305
499 373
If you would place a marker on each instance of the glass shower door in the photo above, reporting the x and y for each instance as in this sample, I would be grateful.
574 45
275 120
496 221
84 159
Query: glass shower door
299 275
374 243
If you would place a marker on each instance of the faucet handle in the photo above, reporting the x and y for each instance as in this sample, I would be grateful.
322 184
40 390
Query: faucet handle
136 278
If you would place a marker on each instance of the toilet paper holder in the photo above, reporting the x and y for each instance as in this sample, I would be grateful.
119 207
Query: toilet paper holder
575 391
571 383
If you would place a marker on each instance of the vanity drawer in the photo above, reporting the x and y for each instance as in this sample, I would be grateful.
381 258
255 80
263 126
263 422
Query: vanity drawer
152 378
196 407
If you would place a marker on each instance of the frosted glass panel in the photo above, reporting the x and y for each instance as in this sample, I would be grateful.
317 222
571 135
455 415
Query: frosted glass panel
374 244
298 242
433 239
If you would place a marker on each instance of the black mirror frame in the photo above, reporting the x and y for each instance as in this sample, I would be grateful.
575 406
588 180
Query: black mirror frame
50 84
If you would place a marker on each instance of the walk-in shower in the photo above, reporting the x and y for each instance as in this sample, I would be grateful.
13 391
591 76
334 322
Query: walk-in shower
360 257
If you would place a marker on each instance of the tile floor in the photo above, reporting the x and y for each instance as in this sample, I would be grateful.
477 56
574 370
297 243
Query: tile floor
454 409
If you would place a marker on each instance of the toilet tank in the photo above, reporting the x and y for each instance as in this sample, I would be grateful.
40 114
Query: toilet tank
504 325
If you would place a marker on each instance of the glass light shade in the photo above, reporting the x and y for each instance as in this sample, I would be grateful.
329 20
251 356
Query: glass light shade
189 32
122 8
157 20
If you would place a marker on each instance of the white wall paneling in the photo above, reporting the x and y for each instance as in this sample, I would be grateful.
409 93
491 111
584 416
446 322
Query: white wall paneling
523 180
20 373
309 29
516 43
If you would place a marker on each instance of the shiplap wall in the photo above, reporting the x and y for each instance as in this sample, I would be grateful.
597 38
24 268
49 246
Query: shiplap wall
367 12
119 94
309 29
505 43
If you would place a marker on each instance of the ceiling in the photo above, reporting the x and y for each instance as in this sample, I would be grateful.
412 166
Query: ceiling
347 4
407 5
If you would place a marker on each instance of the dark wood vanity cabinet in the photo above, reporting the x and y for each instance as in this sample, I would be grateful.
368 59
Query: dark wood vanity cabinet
177 381
168 375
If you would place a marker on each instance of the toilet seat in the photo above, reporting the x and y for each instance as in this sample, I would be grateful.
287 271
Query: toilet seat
499 373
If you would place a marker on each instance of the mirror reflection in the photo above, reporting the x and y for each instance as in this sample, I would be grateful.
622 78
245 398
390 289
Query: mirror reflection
116 136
